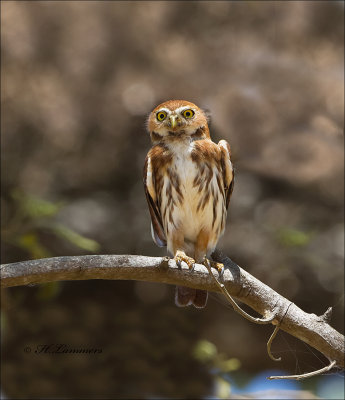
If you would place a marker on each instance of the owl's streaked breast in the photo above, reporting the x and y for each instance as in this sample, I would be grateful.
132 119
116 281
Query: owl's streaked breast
192 196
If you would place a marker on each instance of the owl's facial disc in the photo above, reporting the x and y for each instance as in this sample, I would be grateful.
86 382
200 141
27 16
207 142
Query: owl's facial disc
177 120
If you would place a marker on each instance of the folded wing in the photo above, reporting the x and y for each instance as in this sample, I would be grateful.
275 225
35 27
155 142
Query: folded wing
228 170
157 230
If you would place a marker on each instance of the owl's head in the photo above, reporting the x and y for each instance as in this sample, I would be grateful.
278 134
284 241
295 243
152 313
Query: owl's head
177 119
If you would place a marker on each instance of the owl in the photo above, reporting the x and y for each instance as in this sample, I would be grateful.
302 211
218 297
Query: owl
188 181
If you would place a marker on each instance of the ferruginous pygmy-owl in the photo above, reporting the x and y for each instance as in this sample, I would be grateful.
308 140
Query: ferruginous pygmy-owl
188 182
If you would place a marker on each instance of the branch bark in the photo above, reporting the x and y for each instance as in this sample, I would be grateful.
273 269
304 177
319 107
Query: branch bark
310 328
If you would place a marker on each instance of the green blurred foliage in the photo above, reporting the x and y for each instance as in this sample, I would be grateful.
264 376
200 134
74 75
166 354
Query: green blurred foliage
34 207
205 351
291 237
34 215
30 242
48 291
74 237
219 365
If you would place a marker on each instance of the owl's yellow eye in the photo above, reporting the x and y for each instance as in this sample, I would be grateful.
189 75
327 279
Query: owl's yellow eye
161 115
188 113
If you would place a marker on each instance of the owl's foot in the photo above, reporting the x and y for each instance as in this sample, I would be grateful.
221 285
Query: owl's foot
213 264
181 256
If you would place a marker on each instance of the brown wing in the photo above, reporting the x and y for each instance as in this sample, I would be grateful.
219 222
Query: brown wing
228 170
157 230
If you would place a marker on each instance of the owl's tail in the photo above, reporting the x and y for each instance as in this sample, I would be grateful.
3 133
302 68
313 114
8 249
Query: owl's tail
185 296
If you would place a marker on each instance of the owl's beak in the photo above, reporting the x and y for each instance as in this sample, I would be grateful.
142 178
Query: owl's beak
173 121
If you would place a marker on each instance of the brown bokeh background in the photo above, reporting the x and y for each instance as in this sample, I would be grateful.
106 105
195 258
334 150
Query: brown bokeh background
78 81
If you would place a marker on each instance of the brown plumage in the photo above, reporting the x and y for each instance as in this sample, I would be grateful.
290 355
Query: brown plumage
188 182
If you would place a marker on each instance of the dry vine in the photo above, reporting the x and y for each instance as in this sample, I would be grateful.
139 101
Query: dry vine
234 282
238 309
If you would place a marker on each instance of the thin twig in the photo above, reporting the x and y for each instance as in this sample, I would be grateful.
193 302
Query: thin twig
236 307
307 374
276 329
269 343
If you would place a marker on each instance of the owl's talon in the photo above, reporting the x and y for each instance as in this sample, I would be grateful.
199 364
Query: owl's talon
213 264
181 257
220 268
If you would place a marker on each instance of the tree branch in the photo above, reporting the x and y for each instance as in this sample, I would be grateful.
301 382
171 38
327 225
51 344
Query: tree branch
310 328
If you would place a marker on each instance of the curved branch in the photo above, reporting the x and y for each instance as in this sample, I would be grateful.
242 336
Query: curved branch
235 306
310 328
269 344
306 375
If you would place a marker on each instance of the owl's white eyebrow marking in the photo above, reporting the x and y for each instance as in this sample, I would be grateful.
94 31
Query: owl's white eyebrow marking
181 109
164 109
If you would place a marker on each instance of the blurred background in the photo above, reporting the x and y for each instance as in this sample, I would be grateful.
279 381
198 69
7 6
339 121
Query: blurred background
78 82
